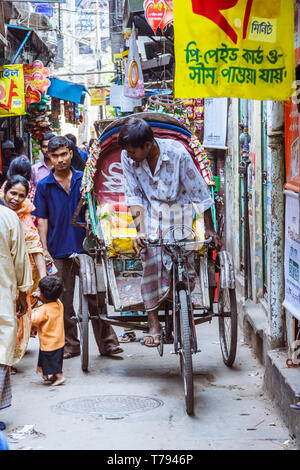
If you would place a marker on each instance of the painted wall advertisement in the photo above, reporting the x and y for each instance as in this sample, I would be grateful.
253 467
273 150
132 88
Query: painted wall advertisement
292 254
234 48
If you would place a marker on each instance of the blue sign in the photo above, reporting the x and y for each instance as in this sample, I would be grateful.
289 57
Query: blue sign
45 8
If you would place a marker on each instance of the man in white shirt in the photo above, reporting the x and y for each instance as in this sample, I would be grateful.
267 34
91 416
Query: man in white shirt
159 175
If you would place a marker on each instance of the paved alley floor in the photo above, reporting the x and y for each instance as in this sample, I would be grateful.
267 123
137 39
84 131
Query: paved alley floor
136 401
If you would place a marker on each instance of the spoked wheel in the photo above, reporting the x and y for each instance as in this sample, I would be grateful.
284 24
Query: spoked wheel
83 328
186 364
228 324
160 347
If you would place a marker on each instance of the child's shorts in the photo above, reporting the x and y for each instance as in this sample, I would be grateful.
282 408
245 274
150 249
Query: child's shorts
51 362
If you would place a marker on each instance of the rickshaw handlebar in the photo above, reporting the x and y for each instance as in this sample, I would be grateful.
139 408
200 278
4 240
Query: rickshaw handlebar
153 243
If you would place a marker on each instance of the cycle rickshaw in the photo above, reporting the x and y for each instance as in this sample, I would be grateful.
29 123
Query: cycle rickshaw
112 272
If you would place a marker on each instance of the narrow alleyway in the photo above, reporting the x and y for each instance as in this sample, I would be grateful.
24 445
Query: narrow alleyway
231 410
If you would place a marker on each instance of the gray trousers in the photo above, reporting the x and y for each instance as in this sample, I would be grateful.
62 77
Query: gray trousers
105 336
5 387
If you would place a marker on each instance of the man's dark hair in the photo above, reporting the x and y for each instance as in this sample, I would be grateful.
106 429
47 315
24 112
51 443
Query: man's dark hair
298 72
47 136
58 142
71 137
51 287
91 142
135 133
20 166
16 179
19 144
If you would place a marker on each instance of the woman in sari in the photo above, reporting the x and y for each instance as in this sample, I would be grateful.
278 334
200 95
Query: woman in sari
15 195
20 166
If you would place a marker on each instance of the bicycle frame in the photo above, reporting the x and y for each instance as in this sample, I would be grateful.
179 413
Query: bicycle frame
181 281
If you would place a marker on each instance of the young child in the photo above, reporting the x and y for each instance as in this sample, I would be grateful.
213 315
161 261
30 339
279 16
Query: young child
49 320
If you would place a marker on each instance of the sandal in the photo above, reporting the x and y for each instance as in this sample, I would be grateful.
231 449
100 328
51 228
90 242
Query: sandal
124 338
127 337
154 344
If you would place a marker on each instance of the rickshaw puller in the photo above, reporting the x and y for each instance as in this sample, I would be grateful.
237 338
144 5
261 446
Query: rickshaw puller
159 173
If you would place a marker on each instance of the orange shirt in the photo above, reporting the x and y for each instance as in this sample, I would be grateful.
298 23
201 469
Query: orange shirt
49 319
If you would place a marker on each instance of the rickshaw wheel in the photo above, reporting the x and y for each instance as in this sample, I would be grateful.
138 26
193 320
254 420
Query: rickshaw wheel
228 324
160 347
186 364
83 328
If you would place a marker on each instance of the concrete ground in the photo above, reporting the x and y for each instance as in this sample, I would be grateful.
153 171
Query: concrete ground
231 409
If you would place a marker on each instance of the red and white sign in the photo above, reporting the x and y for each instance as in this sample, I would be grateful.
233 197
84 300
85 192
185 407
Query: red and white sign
158 13
36 81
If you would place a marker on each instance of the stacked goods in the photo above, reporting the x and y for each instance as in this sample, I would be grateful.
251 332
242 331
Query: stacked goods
189 112
55 115
38 123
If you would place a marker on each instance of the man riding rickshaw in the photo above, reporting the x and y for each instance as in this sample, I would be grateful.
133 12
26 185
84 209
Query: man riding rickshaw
160 173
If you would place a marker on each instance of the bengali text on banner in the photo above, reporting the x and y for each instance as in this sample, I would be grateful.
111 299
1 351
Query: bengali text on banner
12 97
234 48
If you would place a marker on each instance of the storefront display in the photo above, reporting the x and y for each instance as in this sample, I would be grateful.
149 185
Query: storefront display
188 112
292 201
72 114
38 123
55 118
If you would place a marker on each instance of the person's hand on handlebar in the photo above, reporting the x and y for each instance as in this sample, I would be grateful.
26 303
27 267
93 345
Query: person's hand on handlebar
216 239
138 242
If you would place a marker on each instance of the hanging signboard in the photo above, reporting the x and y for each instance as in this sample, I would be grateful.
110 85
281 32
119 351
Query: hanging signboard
215 123
134 80
12 100
292 254
44 8
159 14
234 48
98 96
36 81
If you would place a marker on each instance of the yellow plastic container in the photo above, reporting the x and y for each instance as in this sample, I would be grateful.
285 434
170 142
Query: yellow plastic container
119 230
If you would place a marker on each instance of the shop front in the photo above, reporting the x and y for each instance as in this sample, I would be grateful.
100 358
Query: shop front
292 206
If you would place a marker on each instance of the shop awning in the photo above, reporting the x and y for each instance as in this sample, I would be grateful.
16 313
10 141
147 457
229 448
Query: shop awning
23 35
67 91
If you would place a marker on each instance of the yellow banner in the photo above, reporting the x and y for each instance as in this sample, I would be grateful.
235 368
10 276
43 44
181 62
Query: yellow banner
234 48
12 95
98 96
